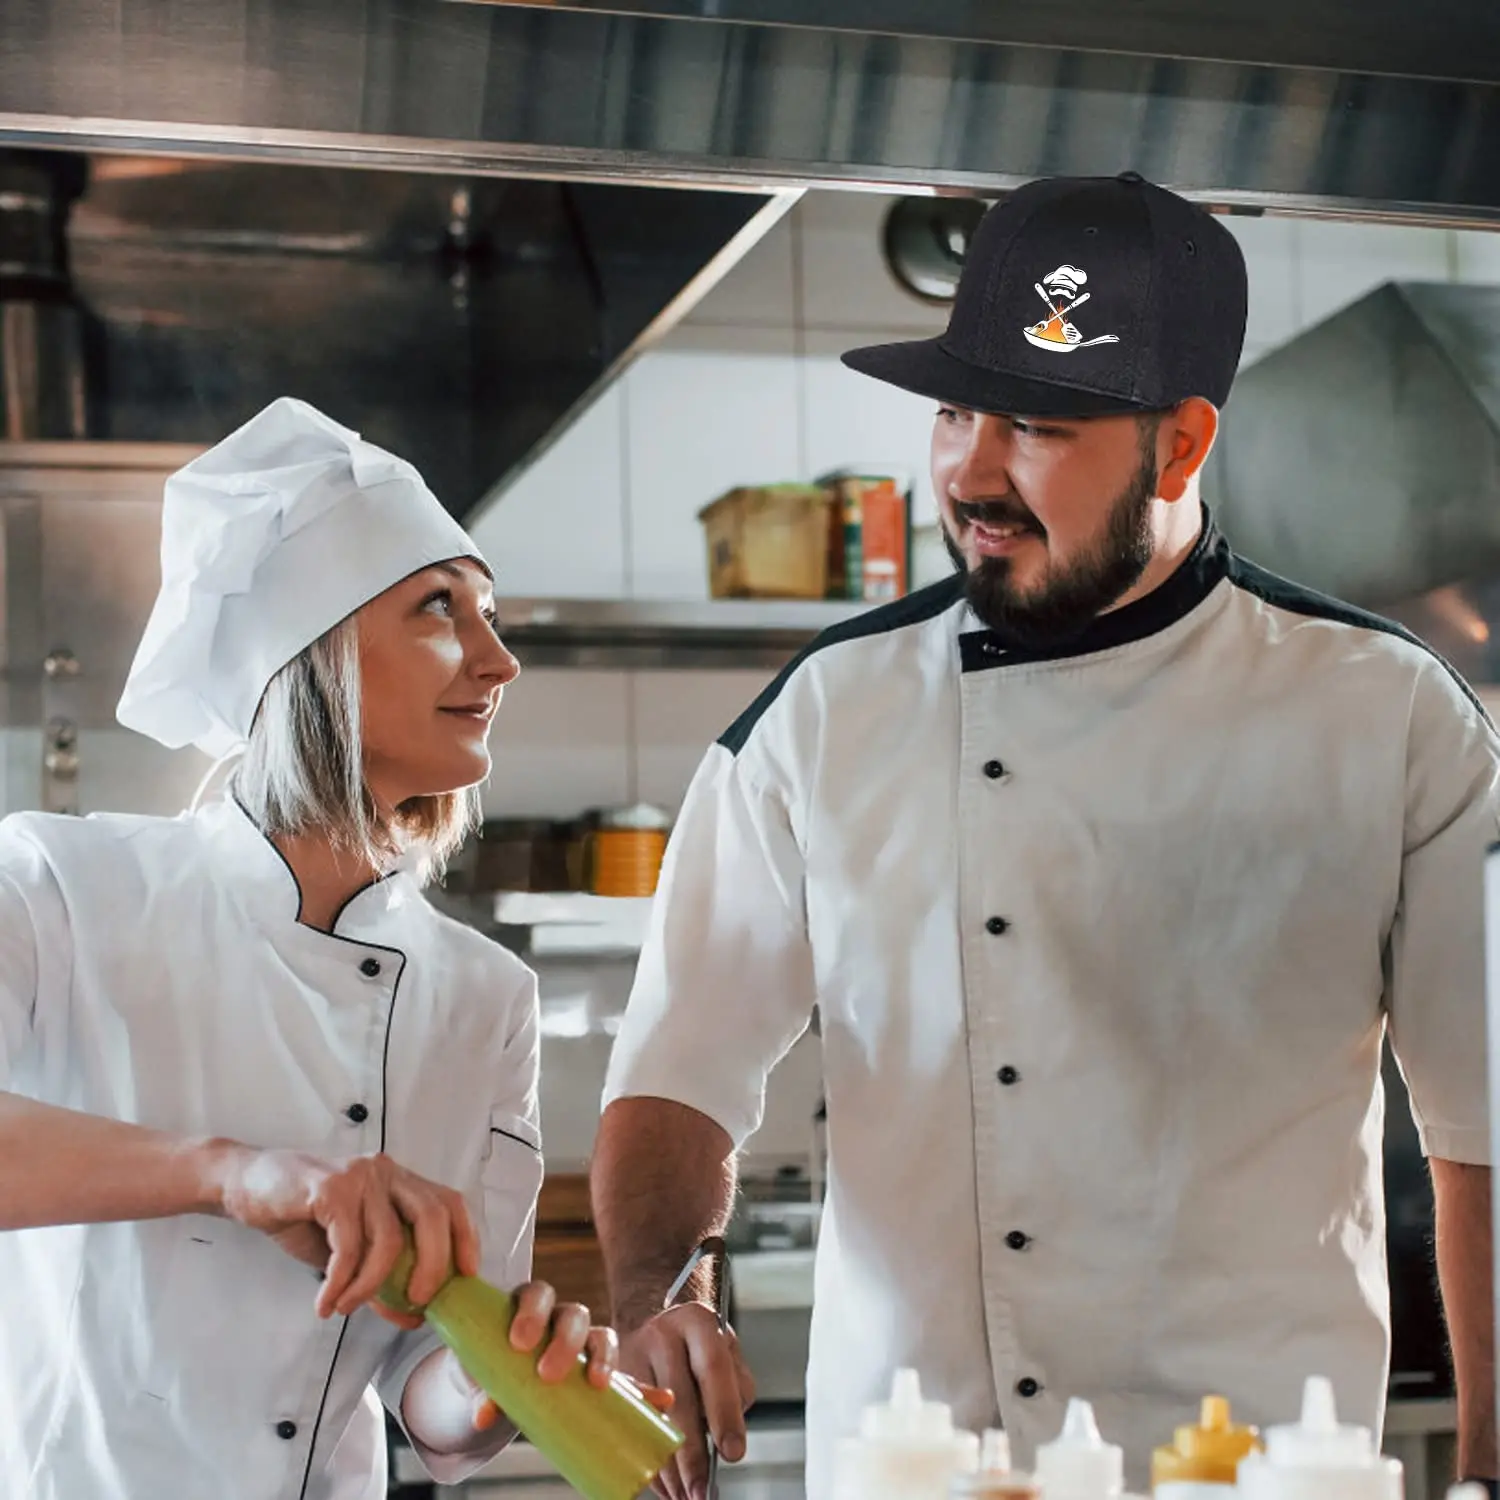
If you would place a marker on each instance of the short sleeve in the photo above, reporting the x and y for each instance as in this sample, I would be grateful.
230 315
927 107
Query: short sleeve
504 1204
725 983
1436 986
28 898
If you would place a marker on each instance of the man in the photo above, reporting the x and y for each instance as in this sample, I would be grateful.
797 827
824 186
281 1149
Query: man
1107 865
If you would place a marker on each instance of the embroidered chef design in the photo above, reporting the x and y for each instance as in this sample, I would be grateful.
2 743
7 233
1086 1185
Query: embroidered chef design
1055 333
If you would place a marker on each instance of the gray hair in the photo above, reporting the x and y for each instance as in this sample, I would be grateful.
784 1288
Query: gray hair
303 769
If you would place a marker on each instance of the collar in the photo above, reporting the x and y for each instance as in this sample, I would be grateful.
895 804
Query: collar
258 873
1196 577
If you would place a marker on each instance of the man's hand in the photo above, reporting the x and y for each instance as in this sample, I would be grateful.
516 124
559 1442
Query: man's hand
347 1219
683 1350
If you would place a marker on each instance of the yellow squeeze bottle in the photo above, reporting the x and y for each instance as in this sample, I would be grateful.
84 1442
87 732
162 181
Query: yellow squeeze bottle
1202 1462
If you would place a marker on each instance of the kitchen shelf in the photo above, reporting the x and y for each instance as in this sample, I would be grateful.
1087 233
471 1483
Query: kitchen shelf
665 634
566 922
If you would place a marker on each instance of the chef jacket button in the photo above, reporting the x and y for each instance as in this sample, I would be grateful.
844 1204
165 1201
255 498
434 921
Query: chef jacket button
286 1430
1027 1387
1008 1075
1017 1240
358 1113
995 926
370 968
994 769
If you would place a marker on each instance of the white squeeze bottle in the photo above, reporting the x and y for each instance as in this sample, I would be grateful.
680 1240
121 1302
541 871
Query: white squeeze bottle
907 1449
1318 1459
1078 1464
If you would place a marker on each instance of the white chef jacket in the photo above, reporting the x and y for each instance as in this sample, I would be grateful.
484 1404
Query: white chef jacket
153 970
1104 941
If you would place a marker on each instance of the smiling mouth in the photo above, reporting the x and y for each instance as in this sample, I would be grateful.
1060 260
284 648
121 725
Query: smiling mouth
478 713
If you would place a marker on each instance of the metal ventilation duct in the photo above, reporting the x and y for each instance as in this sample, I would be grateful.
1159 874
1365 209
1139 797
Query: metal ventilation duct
459 321
1363 457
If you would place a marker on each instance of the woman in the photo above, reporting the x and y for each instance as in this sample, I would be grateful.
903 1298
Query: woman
239 1050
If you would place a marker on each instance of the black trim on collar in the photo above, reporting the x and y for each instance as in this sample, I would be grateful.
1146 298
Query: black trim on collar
286 864
1199 573
912 609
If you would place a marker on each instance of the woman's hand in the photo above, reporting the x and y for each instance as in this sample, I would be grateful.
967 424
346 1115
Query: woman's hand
348 1218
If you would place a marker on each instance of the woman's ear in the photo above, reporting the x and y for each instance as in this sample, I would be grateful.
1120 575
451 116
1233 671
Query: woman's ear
1183 443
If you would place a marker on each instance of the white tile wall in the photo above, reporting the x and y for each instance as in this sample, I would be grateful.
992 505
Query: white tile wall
706 410
559 745
559 530
1337 263
677 715
844 280
760 292
852 419
1269 247
1477 256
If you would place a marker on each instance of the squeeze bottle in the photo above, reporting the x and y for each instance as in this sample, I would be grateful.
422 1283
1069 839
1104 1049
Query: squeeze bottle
1202 1461
994 1479
1078 1464
1317 1459
608 1444
907 1449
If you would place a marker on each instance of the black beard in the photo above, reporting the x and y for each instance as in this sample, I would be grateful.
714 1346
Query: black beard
1073 597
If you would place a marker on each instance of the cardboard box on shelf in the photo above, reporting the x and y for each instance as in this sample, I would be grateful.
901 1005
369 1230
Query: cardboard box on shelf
768 542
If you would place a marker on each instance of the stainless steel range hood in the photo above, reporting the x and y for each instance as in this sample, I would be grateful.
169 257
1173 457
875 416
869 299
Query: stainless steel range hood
460 321
1363 459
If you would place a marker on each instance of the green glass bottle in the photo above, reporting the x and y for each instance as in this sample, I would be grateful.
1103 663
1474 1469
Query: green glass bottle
608 1444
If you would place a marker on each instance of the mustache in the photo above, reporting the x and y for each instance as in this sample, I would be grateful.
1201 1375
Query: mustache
994 513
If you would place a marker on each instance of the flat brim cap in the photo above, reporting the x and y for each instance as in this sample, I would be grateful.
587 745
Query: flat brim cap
1083 297
925 368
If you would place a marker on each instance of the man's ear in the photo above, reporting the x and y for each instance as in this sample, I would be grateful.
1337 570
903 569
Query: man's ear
1183 443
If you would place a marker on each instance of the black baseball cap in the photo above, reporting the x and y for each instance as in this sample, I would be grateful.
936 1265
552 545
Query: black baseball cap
1080 297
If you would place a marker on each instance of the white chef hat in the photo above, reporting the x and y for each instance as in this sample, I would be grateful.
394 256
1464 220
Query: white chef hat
268 540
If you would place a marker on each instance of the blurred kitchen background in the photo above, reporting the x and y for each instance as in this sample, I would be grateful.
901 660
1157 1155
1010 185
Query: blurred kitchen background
588 330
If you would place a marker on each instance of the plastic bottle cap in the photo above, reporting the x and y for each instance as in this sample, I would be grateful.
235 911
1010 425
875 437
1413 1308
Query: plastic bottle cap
1079 1461
1318 1441
906 1448
907 1418
1318 1459
1208 1453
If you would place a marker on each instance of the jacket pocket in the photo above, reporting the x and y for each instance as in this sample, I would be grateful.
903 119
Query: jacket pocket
510 1179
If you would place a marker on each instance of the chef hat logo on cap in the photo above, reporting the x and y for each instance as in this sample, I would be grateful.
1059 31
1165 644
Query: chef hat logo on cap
269 540
1166 288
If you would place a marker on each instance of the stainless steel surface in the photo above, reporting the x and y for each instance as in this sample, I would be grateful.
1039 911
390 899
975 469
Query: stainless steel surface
42 375
1376 38
1225 106
1363 458
664 634
79 537
462 323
